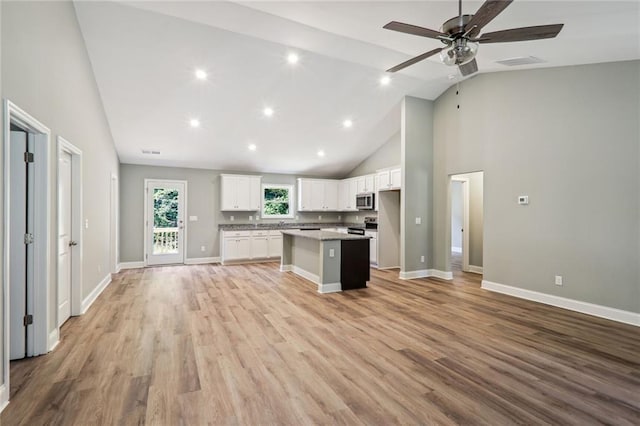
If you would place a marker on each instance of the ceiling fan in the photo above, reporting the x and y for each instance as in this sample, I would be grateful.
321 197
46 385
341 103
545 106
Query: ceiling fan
460 35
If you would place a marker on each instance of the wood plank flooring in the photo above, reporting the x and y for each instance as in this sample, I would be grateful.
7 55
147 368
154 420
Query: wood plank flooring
250 345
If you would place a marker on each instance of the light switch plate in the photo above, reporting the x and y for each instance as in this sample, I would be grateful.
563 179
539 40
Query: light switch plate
332 253
193 218
523 200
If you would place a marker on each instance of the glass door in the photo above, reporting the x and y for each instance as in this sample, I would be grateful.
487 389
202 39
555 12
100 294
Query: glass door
165 201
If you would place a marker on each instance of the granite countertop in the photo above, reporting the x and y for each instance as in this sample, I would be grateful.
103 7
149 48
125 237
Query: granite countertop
277 226
324 235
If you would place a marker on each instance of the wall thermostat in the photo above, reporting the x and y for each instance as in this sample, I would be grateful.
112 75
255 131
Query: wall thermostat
523 199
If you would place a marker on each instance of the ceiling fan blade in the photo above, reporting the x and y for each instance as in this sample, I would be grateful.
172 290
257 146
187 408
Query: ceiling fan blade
415 60
468 68
413 29
522 34
487 12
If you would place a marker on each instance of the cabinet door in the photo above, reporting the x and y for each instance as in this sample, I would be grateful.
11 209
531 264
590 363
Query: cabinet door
259 247
369 183
360 185
396 178
384 180
228 190
255 194
343 195
243 248
230 249
353 190
317 195
275 246
331 195
243 193
304 195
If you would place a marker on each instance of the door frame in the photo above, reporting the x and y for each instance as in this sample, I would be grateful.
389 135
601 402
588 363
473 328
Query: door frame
43 340
76 224
465 220
146 216
114 205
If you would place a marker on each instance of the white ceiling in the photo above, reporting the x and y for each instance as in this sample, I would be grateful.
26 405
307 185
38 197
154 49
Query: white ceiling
144 55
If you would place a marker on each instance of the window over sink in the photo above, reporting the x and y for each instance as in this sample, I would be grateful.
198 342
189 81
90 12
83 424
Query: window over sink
277 201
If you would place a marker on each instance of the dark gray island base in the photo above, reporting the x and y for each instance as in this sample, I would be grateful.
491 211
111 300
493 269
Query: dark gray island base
333 261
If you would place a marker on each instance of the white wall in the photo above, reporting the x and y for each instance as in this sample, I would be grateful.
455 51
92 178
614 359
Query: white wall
46 71
457 215
569 139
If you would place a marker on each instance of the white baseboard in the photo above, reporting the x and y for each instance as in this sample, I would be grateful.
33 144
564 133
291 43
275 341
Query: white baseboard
130 265
614 314
54 339
286 268
4 396
88 301
456 249
201 260
426 273
329 288
475 269
306 274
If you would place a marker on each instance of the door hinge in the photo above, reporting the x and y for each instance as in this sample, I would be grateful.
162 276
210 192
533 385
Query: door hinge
28 157
27 320
28 238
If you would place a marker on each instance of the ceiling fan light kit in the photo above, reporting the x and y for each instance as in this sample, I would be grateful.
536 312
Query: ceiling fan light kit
460 35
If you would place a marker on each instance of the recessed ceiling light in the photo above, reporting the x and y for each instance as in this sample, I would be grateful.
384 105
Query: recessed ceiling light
201 74
385 80
194 122
252 147
293 58
321 153
268 111
347 123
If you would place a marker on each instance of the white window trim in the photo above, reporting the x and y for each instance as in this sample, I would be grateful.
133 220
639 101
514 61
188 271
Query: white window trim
290 188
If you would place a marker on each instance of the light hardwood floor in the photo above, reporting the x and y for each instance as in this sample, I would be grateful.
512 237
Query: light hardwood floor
250 345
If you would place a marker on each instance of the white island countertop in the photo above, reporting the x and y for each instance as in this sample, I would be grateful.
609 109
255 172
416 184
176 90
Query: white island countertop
323 235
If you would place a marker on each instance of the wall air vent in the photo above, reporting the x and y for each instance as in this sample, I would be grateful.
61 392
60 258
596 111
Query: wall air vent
521 60
150 152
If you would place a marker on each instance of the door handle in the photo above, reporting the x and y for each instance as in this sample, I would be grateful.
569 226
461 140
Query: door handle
72 243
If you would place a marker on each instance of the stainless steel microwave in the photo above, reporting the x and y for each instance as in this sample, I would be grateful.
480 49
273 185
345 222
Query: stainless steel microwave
365 201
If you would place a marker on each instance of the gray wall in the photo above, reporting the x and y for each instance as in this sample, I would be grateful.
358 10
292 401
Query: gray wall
416 197
569 138
1 219
203 200
388 155
46 71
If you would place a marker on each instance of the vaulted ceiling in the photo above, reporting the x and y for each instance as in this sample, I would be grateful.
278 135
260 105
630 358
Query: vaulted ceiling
145 54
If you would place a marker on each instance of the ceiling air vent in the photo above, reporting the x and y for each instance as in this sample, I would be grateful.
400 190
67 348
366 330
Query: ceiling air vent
150 152
521 60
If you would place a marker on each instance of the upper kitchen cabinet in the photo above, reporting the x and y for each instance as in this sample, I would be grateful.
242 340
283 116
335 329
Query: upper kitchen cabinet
365 184
389 179
347 190
240 193
317 195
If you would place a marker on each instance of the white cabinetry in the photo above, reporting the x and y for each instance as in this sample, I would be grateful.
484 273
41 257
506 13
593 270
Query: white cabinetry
248 245
389 179
373 247
347 190
317 195
239 193
365 184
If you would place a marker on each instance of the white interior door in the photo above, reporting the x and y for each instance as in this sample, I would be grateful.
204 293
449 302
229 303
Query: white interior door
165 201
17 252
65 242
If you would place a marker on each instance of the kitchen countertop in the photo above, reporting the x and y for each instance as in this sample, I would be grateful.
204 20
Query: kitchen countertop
323 235
277 226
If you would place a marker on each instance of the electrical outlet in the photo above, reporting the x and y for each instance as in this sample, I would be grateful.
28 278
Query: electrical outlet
99 268
231 218
297 217
203 248
332 253
250 218
193 218
357 218
319 217
418 220
86 224
339 217
558 279
422 259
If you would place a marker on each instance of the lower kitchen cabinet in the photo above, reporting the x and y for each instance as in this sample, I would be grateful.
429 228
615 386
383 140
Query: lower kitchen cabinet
373 247
250 245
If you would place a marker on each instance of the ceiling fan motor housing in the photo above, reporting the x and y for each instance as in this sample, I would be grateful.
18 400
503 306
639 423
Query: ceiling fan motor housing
455 25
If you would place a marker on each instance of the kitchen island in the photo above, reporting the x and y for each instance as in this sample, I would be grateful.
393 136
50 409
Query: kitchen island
332 260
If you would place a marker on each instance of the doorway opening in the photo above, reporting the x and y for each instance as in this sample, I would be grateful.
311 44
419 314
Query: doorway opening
165 237
466 220
28 330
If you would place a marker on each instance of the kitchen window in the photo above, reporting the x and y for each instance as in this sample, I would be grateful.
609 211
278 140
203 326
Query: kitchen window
277 201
